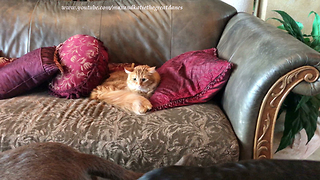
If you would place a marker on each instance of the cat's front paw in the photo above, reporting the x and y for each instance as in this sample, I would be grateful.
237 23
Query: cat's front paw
141 106
96 92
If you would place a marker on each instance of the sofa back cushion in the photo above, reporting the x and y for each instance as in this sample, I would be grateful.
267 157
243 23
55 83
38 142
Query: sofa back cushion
141 31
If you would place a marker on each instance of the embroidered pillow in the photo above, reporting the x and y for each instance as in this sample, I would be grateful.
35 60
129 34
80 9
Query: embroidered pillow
27 72
192 77
84 62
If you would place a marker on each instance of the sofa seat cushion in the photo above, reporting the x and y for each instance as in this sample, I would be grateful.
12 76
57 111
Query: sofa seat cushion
136 142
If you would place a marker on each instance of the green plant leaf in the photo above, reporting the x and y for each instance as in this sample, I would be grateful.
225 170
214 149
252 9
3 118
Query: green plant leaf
311 118
298 23
285 26
307 124
315 33
317 48
303 101
291 128
292 124
285 142
281 26
290 25
315 101
307 41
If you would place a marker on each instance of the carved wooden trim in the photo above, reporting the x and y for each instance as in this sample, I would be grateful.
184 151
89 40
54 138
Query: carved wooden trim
270 106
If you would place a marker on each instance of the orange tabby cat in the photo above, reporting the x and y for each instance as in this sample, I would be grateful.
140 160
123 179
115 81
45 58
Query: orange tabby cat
129 89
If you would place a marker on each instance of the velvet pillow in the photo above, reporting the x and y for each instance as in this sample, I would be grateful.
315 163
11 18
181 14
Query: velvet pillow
192 77
84 62
27 72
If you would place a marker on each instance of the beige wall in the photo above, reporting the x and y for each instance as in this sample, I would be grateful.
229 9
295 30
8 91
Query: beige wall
298 9
241 5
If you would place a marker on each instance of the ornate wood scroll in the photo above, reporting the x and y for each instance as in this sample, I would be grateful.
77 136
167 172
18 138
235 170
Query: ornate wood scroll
270 107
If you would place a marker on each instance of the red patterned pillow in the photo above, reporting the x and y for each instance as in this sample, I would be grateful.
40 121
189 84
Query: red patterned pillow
27 72
192 77
84 61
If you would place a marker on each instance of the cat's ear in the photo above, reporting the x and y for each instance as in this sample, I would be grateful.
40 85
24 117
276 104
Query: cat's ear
128 71
152 69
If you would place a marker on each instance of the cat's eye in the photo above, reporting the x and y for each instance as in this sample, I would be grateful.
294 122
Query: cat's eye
143 79
135 79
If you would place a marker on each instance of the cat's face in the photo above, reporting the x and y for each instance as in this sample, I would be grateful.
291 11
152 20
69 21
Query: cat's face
141 78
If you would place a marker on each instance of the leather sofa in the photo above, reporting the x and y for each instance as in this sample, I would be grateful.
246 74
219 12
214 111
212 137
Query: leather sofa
236 124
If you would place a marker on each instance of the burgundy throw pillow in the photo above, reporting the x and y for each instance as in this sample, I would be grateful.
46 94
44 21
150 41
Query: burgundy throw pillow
27 72
192 77
84 61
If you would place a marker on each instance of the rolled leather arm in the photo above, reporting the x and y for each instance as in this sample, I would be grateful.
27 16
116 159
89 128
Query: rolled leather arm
263 55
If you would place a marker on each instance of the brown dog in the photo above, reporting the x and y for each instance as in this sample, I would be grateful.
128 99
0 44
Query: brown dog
55 161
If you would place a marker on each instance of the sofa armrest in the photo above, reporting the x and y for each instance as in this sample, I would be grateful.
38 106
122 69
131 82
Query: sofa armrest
269 63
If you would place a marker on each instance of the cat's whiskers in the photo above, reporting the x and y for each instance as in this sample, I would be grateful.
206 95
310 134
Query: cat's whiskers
134 87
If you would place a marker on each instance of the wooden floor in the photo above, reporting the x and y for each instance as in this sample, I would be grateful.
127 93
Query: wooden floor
315 156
